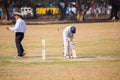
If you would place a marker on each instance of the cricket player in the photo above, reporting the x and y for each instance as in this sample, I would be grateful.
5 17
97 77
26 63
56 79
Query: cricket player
68 34
19 29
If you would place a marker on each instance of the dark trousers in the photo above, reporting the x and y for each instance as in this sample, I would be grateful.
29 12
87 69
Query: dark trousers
18 39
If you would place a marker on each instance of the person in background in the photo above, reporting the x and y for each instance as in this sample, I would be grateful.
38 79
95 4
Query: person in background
19 29
68 34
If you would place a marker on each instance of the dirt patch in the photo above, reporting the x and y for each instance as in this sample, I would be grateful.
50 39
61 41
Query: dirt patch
59 59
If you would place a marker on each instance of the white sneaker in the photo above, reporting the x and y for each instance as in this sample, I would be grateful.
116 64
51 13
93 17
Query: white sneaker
67 57
18 57
24 53
71 57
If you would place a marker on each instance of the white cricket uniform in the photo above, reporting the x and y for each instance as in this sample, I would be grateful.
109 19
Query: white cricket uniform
67 39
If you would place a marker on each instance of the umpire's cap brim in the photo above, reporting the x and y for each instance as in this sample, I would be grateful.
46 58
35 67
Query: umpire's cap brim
17 14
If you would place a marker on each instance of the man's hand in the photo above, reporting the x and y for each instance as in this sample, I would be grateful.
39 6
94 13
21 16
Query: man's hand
7 28
69 39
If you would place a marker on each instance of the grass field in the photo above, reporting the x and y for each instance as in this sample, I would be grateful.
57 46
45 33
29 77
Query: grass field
97 46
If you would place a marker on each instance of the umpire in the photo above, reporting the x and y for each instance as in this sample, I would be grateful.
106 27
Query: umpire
19 29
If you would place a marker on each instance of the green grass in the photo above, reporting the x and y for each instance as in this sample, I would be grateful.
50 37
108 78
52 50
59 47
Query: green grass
91 42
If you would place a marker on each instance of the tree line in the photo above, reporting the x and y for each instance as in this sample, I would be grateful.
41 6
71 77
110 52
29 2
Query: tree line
5 4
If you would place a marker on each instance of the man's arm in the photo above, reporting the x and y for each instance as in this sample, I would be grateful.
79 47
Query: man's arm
13 28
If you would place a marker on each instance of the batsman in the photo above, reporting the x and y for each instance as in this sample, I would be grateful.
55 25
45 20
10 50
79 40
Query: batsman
69 48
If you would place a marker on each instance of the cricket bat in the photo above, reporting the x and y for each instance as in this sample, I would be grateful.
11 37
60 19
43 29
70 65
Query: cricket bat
74 53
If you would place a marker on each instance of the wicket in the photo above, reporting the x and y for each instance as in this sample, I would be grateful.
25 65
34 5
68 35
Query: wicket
43 50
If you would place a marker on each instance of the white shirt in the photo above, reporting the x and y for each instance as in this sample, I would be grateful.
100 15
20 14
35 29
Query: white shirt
20 26
67 34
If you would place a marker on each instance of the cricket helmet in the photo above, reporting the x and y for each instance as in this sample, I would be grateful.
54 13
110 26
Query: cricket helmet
73 29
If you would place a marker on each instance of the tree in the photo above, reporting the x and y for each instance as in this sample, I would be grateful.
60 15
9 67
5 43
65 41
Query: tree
115 8
4 5
80 13
62 11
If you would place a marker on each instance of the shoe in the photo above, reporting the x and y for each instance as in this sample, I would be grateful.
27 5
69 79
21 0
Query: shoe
74 57
24 53
18 56
67 57
71 57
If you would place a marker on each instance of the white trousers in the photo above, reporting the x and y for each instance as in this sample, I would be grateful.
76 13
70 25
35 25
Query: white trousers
68 47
